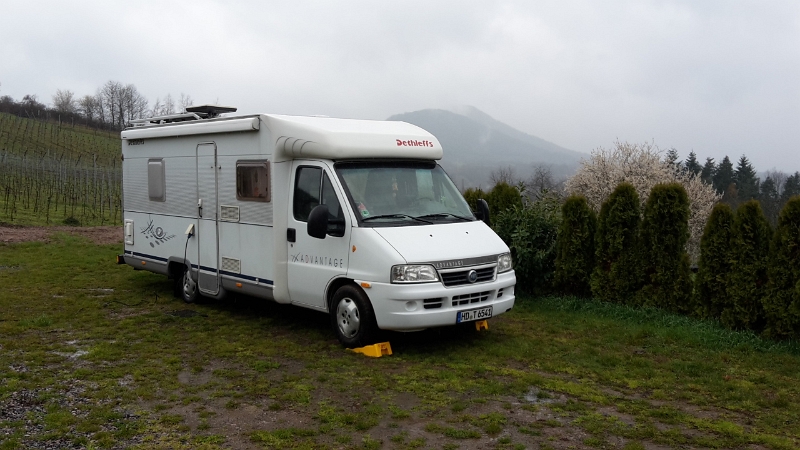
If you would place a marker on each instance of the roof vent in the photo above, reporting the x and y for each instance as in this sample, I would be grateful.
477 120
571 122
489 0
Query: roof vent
210 111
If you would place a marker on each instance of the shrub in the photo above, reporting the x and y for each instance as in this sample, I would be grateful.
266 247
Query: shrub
530 232
748 278
503 196
472 195
711 283
575 247
616 274
665 263
782 303
642 166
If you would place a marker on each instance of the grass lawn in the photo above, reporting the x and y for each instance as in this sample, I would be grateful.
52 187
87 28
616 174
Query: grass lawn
96 355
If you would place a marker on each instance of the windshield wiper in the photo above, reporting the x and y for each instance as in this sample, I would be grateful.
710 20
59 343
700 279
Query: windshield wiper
394 216
445 215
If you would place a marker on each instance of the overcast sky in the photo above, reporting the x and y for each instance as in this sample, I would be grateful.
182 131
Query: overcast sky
716 77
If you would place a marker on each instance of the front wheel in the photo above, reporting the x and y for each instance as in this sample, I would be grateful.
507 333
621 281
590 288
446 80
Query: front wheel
352 317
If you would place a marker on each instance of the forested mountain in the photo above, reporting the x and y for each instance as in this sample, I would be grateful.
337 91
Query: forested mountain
475 144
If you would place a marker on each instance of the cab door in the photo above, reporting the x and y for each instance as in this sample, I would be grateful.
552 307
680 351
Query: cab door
313 263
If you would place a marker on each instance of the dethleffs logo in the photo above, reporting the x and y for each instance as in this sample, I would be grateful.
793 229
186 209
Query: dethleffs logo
414 143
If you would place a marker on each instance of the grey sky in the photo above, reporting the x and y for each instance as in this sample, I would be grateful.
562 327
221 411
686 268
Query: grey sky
716 77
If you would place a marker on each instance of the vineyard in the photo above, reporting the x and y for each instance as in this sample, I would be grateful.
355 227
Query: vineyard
54 173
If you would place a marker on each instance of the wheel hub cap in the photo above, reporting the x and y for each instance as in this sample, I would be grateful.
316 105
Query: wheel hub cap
348 317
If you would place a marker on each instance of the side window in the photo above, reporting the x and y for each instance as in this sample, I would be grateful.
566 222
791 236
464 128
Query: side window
306 191
156 180
252 181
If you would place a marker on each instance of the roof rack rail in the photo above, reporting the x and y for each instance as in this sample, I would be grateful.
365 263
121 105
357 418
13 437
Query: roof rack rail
192 113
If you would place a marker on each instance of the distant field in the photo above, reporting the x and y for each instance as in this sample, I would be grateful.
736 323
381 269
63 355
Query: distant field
97 355
51 172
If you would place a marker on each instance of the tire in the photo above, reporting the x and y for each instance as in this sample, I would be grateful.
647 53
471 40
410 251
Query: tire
188 287
352 317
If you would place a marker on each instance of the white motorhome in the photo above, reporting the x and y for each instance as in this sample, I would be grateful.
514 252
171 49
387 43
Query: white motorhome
353 218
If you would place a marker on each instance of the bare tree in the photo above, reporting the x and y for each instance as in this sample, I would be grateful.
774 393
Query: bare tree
64 101
169 105
88 107
185 101
503 175
778 177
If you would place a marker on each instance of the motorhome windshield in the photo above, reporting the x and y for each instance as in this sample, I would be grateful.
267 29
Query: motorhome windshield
400 194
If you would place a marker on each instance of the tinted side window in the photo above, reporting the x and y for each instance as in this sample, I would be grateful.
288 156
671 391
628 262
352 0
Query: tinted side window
252 181
306 191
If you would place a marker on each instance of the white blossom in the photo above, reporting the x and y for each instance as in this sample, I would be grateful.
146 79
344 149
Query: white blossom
642 166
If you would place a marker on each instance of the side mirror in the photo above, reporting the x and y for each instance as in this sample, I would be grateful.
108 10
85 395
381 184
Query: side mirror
483 211
318 222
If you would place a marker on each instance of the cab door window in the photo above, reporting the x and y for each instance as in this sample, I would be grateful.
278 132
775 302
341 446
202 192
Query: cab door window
313 187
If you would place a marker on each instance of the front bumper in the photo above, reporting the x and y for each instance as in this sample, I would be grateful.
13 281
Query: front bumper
409 307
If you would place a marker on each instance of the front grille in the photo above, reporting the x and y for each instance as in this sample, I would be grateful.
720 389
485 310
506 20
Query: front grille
432 303
466 299
459 277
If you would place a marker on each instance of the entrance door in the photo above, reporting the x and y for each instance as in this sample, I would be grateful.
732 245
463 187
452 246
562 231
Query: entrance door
208 244
313 262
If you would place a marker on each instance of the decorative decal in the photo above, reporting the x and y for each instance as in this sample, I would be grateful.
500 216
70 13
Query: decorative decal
318 260
155 235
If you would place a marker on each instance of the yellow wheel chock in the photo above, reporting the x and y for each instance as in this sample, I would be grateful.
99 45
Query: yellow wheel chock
482 325
375 350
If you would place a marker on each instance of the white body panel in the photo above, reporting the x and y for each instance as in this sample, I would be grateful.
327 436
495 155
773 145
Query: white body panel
242 246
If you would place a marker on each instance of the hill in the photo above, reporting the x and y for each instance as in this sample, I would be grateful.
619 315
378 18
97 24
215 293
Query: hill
50 172
475 144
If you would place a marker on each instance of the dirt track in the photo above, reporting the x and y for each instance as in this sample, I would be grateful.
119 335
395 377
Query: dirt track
99 235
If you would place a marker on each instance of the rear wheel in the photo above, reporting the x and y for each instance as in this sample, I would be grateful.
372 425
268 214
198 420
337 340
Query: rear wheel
188 287
352 317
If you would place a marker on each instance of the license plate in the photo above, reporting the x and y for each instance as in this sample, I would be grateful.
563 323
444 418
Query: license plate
474 314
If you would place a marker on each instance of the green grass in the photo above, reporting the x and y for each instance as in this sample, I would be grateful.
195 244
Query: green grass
92 355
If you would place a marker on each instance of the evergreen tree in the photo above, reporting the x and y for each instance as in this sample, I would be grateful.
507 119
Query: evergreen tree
665 263
708 172
472 195
749 272
503 196
782 303
747 183
770 202
575 247
723 176
791 187
716 258
692 165
672 158
616 274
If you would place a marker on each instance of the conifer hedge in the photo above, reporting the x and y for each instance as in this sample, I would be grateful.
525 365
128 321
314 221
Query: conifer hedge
665 262
575 247
748 280
782 303
711 283
616 274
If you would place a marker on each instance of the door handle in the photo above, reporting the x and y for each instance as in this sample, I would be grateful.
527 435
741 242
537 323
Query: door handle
200 207
291 234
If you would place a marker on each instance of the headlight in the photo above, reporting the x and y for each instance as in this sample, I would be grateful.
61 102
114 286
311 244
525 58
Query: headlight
413 273
504 263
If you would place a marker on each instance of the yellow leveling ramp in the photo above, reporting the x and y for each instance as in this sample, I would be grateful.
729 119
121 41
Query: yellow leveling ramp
375 350
482 325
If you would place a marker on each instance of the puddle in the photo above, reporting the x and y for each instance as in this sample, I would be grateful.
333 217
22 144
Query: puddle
540 397
74 355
